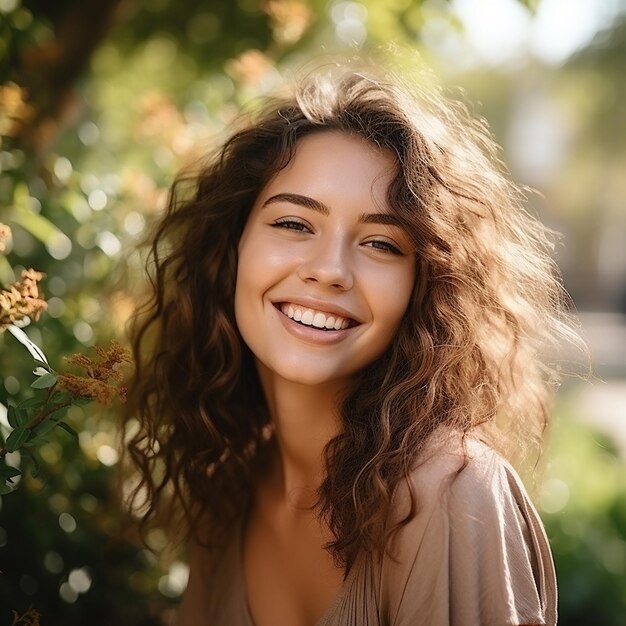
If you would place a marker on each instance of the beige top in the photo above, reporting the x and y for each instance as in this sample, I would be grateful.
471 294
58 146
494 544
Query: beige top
476 554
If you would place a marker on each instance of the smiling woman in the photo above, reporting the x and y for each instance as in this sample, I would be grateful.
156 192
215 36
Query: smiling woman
341 348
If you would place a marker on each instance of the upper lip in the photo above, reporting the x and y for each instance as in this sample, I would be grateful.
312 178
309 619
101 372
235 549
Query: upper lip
318 305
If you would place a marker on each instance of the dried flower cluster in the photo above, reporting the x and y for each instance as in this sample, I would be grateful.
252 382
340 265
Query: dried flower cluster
22 299
103 375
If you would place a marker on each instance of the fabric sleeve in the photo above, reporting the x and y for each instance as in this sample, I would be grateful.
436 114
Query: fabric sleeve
476 553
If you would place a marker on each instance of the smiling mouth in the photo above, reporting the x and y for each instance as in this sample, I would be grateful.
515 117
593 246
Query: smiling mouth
314 318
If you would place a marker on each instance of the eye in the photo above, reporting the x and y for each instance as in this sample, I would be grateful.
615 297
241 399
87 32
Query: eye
289 223
383 246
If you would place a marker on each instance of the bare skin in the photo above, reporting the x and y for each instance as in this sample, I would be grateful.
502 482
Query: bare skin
285 563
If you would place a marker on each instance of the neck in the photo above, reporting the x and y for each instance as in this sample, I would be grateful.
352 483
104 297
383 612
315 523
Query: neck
305 418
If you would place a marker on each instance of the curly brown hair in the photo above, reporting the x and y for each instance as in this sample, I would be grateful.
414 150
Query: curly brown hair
470 353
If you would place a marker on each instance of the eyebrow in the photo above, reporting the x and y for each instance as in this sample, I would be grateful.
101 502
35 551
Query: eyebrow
386 219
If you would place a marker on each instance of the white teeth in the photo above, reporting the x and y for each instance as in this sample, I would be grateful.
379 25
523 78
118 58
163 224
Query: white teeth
318 319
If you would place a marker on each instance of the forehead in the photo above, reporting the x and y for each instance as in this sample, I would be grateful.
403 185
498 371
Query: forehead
337 168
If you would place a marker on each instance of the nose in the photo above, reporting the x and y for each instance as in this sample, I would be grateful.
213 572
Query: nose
328 263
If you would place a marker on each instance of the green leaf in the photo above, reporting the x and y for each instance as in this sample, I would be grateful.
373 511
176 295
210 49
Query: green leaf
7 472
57 414
68 429
59 396
17 439
43 428
30 403
16 416
12 416
44 382
5 488
35 441
22 416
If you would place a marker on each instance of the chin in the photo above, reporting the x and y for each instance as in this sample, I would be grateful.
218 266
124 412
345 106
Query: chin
306 376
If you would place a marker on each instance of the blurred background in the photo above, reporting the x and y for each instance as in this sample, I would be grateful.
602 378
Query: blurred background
102 101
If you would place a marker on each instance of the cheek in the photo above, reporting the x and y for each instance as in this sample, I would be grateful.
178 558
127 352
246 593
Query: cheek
391 296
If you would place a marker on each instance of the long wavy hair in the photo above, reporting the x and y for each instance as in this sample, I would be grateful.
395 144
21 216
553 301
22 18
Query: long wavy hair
470 354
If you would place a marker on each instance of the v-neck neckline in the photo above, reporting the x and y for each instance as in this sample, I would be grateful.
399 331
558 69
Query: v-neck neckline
240 580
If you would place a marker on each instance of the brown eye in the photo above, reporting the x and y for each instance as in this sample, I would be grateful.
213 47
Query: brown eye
383 246
291 224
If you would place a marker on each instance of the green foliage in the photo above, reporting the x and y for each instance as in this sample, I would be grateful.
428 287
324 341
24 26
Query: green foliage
32 419
587 531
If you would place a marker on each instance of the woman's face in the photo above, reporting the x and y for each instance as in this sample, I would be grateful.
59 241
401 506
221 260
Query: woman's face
325 272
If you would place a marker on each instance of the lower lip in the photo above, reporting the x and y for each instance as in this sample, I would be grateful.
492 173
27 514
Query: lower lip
311 334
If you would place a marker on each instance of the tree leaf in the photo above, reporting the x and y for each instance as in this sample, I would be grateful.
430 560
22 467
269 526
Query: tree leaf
16 416
36 441
16 439
33 348
68 429
44 382
60 396
30 403
22 416
8 472
57 414
5 488
12 416
44 428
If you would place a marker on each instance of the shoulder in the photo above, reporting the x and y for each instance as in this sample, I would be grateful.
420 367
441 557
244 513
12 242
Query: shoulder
462 477
475 550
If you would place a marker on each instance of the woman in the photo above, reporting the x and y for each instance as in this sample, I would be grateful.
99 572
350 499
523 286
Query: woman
346 324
